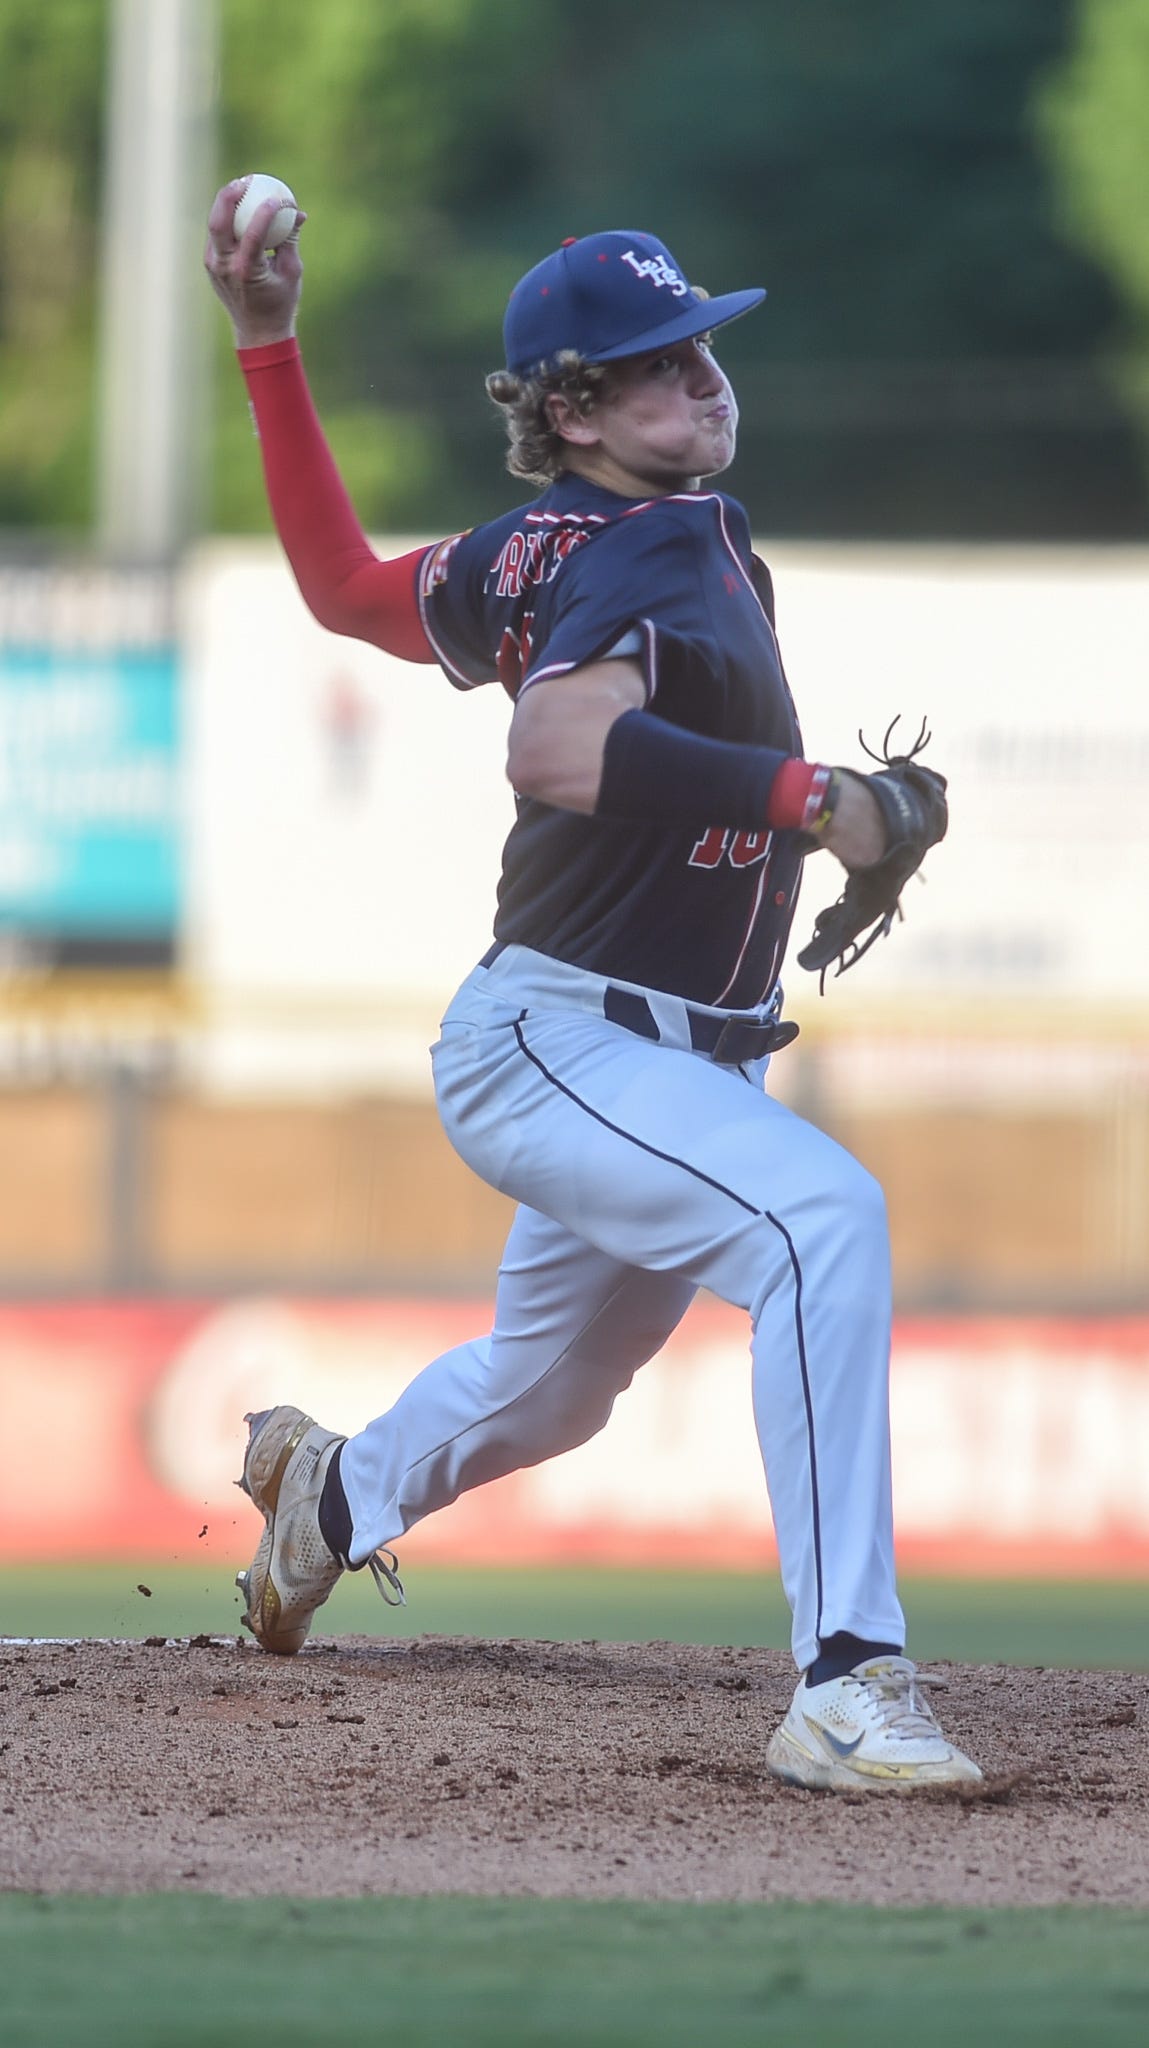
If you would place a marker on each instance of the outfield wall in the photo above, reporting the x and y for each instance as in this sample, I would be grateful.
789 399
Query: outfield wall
1020 1446
1016 1174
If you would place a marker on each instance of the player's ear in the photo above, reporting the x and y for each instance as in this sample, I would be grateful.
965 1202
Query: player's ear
569 423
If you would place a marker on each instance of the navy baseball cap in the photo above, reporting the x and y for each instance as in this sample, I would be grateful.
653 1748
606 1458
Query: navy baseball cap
608 295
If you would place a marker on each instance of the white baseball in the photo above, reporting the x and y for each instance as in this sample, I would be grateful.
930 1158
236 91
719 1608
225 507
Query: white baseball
257 190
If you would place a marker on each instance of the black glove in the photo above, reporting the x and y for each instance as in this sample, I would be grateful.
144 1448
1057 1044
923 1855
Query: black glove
912 800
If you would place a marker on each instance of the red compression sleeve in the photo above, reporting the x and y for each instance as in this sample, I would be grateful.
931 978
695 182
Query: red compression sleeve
341 578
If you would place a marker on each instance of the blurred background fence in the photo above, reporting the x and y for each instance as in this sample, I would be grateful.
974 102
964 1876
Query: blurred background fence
1016 1173
242 864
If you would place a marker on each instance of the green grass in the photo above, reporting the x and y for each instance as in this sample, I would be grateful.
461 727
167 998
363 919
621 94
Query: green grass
201 1972
1084 1624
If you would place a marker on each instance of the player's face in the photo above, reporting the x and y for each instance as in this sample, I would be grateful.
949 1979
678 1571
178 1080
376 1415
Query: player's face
665 420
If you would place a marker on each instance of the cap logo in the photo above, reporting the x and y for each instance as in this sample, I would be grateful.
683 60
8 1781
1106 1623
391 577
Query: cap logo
659 271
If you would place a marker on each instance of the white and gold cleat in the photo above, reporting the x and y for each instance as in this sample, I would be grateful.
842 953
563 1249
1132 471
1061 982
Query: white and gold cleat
293 1571
871 1731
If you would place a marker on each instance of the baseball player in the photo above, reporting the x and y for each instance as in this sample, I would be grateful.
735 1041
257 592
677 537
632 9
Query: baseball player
604 1063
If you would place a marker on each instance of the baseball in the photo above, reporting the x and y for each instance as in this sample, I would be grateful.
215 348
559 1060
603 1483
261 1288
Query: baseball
259 188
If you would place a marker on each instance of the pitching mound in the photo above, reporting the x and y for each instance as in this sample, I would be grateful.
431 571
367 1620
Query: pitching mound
568 1769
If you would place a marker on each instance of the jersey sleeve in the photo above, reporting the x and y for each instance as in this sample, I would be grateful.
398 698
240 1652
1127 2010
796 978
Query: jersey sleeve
635 587
450 605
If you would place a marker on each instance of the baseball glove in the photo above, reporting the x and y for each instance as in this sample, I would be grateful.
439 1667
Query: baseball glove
912 801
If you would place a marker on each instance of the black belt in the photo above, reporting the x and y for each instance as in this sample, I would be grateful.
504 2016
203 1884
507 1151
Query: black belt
728 1040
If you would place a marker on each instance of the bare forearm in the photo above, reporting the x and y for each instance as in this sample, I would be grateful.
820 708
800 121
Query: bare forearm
559 731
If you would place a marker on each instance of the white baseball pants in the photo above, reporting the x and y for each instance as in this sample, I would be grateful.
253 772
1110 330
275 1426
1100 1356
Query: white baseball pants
644 1170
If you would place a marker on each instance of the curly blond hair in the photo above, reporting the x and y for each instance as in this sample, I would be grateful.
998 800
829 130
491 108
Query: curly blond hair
535 448
536 451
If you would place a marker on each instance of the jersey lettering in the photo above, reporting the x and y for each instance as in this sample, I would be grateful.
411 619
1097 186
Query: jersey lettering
708 850
565 542
741 849
527 559
510 566
746 849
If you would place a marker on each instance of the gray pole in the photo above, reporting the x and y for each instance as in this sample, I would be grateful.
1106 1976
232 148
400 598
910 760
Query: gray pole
154 335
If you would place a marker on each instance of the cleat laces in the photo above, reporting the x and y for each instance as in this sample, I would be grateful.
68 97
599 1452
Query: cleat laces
898 1699
384 1568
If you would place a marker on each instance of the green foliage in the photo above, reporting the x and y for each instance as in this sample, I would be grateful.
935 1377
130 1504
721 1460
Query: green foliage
944 201
51 69
1093 118
872 166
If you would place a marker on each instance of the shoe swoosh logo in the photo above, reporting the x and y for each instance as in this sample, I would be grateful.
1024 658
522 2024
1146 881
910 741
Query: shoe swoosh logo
835 1742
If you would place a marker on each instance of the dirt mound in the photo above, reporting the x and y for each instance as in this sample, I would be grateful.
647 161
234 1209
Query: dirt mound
572 1769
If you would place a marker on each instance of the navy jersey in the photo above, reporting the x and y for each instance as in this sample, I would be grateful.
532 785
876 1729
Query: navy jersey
705 912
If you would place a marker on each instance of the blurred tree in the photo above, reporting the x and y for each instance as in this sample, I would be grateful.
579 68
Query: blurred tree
933 358
930 360
1093 117
51 74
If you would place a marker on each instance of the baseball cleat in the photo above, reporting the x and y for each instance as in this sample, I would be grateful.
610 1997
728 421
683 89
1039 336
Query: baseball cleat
293 1571
871 1731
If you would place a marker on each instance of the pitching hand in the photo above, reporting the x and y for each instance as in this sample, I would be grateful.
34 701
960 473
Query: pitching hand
260 287
856 833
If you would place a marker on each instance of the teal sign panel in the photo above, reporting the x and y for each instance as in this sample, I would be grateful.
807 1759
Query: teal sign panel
89 791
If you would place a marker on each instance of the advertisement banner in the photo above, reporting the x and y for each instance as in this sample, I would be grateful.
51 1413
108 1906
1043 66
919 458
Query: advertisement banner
1020 1445
89 768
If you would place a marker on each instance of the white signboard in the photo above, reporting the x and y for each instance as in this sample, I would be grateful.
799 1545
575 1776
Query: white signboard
347 811
347 815
1032 671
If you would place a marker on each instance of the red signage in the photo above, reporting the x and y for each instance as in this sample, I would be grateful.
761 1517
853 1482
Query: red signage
1020 1445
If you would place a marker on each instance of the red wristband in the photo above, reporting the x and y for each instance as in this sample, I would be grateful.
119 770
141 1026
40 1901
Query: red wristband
802 797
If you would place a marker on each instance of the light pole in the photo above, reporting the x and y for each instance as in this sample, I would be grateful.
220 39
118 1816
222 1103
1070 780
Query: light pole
153 334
